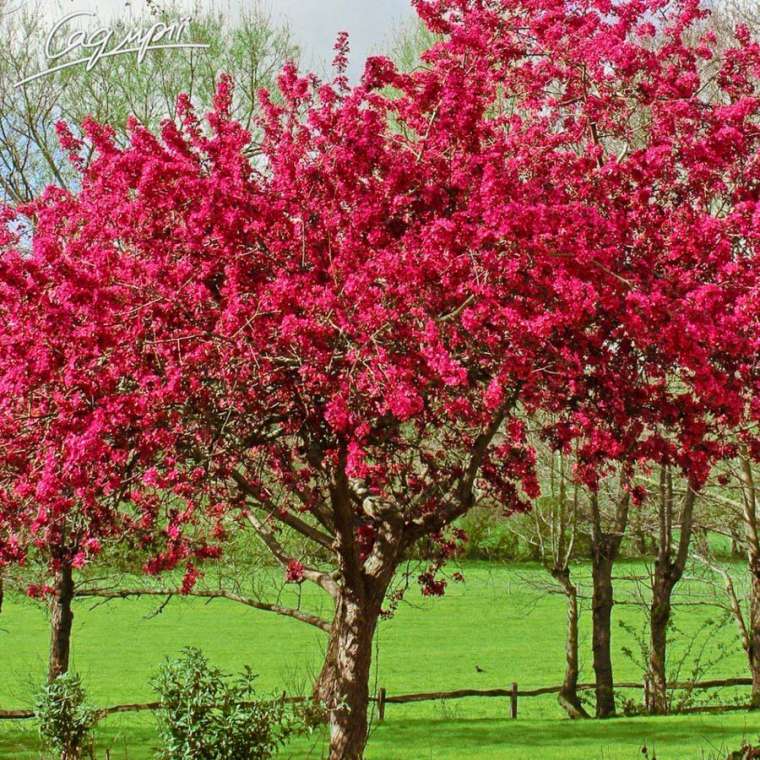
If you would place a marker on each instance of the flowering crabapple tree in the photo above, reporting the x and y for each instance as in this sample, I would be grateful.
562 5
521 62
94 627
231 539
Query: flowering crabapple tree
324 340
345 336
73 433
81 443
654 133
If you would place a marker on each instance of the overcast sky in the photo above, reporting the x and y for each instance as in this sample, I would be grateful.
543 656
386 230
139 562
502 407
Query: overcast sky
314 23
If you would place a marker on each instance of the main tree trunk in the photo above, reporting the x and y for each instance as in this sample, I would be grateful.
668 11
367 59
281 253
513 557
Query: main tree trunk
324 686
355 622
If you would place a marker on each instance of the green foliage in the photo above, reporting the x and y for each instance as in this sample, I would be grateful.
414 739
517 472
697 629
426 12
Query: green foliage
64 719
410 41
312 715
491 536
693 655
207 714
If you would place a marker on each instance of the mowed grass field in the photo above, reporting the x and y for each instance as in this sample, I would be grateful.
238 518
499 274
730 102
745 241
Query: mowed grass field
501 619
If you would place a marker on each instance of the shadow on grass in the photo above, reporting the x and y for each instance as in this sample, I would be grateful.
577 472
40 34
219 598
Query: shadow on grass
675 738
124 740
552 731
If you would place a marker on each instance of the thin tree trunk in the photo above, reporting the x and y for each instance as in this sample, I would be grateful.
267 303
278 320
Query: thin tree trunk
750 631
355 622
605 547
659 617
749 627
735 546
61 619
568 695
668 570
702 539
641 542
601 611
753 638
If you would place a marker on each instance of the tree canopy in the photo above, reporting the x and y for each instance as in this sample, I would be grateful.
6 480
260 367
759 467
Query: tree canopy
348 329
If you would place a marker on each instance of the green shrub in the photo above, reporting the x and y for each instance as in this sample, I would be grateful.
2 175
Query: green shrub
64 720
491 537
207 714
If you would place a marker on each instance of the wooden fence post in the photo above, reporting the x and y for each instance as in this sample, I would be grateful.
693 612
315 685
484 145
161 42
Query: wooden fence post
381 705
513 701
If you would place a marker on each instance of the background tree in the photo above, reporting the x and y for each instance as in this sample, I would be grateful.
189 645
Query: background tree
709 70
733 491
669 565
251 47
386 445
555 516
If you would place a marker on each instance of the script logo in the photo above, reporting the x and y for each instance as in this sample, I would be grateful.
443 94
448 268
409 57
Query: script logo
95 45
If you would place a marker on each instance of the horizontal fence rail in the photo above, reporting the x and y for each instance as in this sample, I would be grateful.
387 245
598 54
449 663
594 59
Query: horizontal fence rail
514 692
382 698
103 712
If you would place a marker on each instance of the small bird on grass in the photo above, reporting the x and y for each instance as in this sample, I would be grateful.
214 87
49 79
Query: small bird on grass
478 669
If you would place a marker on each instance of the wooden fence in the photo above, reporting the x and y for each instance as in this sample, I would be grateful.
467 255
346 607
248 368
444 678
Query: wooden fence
382 698
514 692
103 712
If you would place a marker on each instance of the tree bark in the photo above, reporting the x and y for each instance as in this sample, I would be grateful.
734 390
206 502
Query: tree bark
735 546
668 570
659 617
753 638
641 542
61 619
358 602
605 547
356 618
568 695
601 611
324 686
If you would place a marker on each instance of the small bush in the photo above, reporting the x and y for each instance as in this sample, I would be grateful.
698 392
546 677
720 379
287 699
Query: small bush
491 537
207 714
65 721
311 715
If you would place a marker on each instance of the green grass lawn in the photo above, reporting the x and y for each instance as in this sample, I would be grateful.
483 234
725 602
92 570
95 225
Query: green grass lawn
499 620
